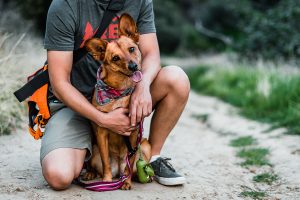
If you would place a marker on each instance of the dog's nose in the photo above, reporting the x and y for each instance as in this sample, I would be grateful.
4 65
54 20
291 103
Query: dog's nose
132 66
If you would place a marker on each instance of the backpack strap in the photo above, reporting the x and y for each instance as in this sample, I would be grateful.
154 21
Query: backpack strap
32 85
43 78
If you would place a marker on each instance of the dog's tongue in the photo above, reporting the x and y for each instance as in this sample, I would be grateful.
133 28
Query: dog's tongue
137 76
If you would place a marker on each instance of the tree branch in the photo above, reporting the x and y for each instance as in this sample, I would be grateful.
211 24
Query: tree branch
12 51
4 38
209 33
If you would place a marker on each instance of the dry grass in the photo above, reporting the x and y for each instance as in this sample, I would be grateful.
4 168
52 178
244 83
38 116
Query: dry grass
20 54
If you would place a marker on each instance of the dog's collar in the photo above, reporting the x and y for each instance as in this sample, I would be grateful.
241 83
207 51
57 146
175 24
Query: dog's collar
106 93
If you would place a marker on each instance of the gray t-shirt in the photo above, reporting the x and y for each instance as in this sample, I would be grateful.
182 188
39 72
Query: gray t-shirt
71 22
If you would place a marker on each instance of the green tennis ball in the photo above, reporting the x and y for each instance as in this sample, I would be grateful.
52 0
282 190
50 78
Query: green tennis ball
149 170
141 172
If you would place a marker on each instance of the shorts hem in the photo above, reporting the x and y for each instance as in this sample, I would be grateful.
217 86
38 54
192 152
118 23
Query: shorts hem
50 148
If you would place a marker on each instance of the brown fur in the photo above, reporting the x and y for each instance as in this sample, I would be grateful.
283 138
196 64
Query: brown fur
110 150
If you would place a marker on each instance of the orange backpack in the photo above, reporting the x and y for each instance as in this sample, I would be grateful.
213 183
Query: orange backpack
38 109
37 89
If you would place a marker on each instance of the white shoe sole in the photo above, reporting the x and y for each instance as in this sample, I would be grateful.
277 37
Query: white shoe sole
170 181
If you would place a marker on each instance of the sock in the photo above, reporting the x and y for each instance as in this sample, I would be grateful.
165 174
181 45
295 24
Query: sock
154 158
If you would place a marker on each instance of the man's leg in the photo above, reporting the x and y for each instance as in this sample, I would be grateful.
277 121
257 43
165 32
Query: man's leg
61 166
170 91
65 145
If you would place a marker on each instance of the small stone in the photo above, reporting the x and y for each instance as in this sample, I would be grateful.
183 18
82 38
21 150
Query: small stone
19 190
252 170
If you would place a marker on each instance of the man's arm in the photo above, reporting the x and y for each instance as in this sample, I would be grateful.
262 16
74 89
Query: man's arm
141 101
60 65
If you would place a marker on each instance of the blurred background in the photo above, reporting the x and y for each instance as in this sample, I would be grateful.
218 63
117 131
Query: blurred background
245 52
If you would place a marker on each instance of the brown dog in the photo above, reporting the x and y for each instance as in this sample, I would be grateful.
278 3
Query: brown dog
121 65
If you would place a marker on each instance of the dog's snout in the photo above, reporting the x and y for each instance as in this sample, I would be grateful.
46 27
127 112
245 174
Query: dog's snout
132 66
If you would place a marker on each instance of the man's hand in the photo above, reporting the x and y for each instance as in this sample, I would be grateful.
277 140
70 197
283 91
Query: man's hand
118 121
140 104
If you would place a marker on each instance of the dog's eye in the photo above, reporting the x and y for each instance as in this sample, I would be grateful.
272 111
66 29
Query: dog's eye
116 58
131 49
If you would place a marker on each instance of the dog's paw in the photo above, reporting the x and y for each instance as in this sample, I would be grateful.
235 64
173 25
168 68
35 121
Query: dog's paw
107 178
89 176
126 186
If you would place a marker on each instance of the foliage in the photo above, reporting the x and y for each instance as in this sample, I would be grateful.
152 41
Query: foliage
266 95
35 10
243 141
168 23
11 112
254 156
257 28
253 194
268 178
271 33
16 63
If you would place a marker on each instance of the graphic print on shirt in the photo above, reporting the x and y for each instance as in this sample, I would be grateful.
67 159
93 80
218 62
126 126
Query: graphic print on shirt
111 32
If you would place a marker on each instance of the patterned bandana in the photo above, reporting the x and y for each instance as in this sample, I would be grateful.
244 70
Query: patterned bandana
105 93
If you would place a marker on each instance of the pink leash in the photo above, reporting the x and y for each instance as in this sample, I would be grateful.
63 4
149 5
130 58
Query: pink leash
100 186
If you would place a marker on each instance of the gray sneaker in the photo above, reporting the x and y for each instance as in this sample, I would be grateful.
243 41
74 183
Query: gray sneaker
165 174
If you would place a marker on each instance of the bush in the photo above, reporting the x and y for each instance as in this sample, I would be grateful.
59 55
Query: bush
272 33
169 25
35 10
258 28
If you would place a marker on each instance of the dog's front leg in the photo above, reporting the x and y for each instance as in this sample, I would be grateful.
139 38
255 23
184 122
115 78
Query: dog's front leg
102 141
127 183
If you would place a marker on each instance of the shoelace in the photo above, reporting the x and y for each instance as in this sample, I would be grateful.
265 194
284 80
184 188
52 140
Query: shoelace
166 163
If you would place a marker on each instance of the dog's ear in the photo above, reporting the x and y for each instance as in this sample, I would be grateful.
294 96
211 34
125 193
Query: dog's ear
128 28
97 48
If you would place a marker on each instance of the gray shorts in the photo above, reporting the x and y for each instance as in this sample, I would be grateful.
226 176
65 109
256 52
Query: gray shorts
66 129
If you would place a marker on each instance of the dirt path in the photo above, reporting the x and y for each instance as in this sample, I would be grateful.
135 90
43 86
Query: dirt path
199 150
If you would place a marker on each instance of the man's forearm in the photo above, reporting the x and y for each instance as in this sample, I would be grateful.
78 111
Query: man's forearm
150 68
150 58
60 65
72 98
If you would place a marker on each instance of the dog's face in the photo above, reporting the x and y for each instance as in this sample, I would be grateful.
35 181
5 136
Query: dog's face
120 56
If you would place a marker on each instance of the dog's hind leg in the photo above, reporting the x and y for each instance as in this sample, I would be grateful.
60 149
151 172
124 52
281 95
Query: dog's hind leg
146 149
92 166
146 154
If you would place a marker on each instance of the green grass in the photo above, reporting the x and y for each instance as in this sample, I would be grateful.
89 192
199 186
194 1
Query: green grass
268 178
254 156
11 112
243 141
268 96
254 194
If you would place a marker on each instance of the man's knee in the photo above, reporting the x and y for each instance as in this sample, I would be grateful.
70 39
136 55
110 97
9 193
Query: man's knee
59 178
177 79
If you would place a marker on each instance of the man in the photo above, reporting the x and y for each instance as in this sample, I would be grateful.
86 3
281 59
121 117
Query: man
67 140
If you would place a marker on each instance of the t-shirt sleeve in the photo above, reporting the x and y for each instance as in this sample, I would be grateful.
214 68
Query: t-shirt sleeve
60 27
145 20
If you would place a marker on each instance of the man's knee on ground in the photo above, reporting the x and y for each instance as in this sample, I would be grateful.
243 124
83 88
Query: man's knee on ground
59 178
178 80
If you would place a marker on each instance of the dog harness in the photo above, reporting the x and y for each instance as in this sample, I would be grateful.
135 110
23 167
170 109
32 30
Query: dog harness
105 93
